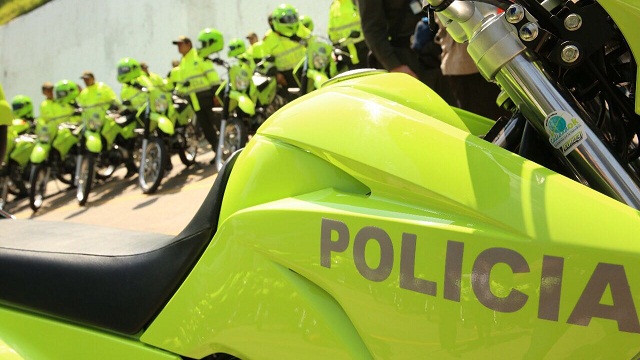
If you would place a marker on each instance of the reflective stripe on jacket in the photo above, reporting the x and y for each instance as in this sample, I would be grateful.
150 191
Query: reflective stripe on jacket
343 19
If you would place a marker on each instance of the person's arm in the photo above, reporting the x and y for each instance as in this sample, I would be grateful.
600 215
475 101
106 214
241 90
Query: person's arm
374 27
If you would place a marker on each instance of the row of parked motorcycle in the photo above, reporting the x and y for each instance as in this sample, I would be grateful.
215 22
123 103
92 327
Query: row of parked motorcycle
250 93
84 145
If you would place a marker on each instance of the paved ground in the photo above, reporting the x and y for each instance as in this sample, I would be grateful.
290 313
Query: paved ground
120 203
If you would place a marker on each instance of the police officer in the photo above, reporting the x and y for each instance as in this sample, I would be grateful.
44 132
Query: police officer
197 78
47 105
156 79
5 120
345 32
96 97
22 107
388 27
285 41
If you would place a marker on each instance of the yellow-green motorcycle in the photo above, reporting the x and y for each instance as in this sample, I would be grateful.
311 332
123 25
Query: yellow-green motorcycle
370 220
15 170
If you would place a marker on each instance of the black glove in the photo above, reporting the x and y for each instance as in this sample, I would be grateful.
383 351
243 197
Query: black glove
186 83
126 103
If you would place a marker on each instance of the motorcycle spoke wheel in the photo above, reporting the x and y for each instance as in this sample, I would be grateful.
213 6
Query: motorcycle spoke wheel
4 191
85 180
38 191
189 145
235 137
16 185
152 169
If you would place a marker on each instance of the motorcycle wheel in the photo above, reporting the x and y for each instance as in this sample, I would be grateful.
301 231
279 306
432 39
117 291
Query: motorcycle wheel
152 170
235 137
65 176
85 179
4 191
189 145
16 185
38 191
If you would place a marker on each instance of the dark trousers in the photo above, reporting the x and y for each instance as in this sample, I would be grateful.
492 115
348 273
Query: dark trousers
475 94
208 121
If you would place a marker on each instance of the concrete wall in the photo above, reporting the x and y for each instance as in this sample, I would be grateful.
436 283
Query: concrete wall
65 37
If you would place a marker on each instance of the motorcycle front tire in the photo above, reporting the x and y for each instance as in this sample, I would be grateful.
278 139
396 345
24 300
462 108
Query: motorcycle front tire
152 170
38 189
189 147
235 136
4 191
85 179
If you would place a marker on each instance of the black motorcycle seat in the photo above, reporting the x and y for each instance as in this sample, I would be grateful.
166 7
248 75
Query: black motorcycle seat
107 278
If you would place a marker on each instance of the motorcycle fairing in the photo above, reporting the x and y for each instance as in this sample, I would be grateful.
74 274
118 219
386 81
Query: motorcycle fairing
26 336
75 293
398 233
93 141
318 78
64 141
40 152
110 130
243 101
266 88
21 152
164 123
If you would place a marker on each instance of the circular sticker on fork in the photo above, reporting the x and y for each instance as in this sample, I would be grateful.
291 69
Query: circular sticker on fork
566 132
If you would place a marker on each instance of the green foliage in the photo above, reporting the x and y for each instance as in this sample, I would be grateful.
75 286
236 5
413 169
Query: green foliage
11 9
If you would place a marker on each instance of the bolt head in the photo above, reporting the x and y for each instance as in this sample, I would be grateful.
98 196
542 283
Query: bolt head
514 14
570 54
529 31
573 22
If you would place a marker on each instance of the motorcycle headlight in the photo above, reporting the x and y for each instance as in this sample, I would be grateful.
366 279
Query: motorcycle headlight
161 104
43 135
320 61
95 123
241 82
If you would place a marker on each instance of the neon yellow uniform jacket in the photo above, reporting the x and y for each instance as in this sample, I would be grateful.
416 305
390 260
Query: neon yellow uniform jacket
5 110
135 97
96 99
47 109
344 18
194 74
286 51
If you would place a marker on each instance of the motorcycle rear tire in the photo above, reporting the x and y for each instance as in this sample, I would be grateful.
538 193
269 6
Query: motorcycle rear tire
38 189
85 180
152 171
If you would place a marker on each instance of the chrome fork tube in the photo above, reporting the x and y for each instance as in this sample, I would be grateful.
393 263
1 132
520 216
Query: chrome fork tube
537 98
500 56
